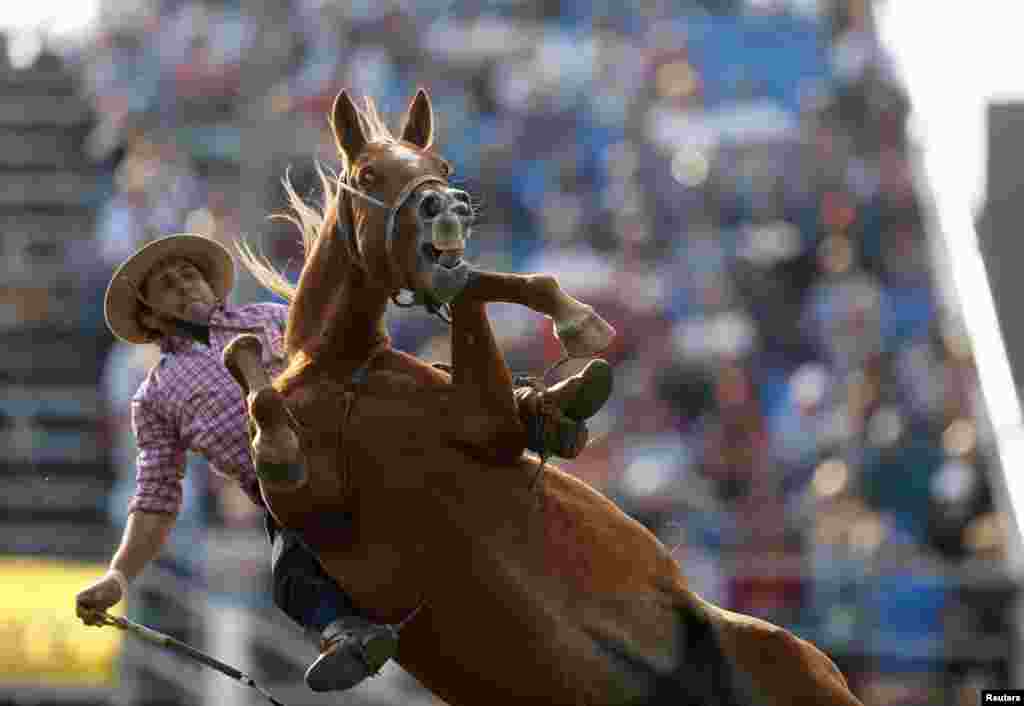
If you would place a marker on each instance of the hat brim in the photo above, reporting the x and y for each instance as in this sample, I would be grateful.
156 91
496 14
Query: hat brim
121 305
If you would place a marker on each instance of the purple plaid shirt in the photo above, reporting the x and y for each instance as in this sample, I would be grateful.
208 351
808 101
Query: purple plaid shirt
189 402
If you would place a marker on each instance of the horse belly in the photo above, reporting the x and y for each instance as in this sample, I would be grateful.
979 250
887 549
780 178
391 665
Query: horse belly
526 585
538 582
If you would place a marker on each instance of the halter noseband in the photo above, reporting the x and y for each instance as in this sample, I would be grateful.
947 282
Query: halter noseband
392 223
403 196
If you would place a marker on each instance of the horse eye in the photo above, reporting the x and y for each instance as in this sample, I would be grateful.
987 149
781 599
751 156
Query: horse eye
367 176
446 169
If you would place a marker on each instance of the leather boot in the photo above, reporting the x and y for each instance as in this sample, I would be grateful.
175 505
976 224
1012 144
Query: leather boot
351 649
556 418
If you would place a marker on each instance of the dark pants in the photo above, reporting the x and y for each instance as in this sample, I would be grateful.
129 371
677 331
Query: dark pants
301 588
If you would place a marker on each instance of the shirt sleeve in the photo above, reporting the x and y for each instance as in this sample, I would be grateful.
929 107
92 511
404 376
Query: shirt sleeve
216 428
161 461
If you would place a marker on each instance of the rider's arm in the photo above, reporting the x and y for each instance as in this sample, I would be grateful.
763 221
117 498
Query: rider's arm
143 539
158 490
152 511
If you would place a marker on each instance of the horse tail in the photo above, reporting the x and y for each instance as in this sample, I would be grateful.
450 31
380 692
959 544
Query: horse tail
702 676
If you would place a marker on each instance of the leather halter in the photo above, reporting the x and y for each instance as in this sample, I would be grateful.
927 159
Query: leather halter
403 196
400 200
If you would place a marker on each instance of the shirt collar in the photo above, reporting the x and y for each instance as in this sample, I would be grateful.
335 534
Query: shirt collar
220 316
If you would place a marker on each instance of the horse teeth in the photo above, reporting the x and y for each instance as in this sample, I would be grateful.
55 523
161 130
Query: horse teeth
449 259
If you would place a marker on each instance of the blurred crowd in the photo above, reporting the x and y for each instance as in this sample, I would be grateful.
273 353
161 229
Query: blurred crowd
730 184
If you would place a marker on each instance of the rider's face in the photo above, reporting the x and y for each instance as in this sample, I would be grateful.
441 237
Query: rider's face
178 287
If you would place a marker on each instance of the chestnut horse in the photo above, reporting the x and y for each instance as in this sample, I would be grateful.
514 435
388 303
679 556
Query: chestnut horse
509 591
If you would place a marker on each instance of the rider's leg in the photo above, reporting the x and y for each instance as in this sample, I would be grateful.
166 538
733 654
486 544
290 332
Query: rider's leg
351 647
555 418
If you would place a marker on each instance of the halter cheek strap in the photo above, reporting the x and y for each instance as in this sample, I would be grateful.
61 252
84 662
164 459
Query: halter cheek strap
400 200
392 223
404 195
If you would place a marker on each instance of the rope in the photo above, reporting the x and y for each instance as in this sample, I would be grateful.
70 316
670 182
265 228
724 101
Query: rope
166 641
348 400
397 627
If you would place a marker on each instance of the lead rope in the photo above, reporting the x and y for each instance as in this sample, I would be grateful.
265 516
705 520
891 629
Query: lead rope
347 399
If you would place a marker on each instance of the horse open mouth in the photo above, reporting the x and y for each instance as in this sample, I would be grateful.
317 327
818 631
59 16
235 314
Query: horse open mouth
447 258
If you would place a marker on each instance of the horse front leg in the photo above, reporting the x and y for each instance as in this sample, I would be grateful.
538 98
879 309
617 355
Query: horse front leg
275 444
483 383
581 330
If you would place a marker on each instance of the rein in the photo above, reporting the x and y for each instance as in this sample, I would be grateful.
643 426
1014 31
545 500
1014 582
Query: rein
346 393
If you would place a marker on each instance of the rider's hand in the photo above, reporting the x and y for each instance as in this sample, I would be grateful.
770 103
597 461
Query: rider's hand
97 597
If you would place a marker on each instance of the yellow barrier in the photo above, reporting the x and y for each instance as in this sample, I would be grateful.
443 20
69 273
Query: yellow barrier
42 641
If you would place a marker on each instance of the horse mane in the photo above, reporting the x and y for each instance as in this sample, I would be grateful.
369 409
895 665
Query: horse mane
312 222
302 337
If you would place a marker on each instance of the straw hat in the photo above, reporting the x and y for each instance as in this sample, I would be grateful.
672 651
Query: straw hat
121 306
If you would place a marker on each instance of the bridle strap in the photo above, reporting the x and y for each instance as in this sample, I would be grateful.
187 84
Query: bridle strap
403 196
392 223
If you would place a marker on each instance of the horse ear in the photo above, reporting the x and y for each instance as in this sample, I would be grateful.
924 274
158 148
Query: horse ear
347 127
419 122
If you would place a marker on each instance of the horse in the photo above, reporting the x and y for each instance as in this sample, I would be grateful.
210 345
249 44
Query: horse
513 581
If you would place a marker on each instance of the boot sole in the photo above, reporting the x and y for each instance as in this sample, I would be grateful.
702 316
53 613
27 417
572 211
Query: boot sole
341 670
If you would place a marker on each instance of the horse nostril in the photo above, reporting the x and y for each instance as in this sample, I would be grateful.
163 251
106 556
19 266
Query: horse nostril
462 206
430 206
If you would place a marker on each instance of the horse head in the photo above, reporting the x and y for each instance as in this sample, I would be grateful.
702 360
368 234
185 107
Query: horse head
408 225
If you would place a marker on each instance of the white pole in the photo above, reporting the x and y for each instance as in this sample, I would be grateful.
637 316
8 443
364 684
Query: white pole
226 637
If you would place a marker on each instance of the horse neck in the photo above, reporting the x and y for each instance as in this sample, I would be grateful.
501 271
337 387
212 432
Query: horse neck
325 262
335 314
354 324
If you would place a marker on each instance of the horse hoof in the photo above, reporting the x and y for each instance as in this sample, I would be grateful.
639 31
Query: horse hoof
266 407
275 444
584 335
243 359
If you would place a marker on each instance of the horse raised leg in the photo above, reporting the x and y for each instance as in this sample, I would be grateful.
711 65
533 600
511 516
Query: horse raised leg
275 444
581 331
481 376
